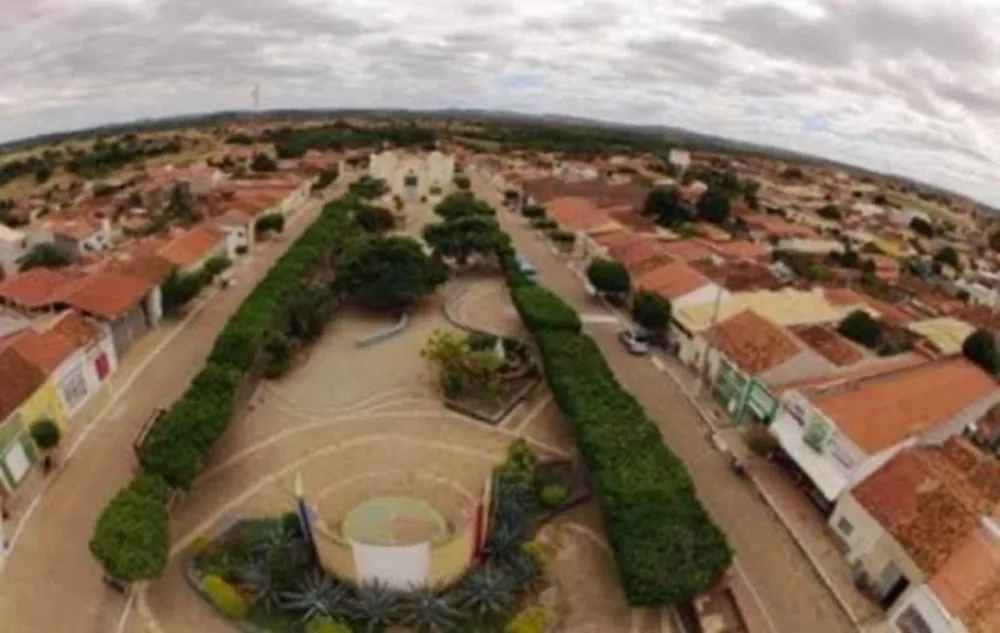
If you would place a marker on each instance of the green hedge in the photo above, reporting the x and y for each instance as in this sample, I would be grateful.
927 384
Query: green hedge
181 440
132 535
540 308
667 548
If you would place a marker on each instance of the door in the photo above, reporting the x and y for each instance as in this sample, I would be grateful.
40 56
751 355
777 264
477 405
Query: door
102 366
16 462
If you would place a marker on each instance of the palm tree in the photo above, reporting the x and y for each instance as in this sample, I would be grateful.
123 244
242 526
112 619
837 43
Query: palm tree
427 610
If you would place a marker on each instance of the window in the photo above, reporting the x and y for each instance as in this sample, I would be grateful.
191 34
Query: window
74 389
910 621
844 526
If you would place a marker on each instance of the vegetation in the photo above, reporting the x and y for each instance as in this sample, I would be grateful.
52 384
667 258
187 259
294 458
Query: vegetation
533 212
464 236
389 273
553 495
225 597
269 223
981 348
181 205
263 162
462 182
542 309
861 328
368 188
462 367
651 311
132 537
45 256
325 178
532 620
46 434
830 212
609 277
948 255
922 227
714 206
664 203
461 205
374 219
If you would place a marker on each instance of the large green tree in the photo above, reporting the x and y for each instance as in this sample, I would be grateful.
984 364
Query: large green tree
948 255
664 203
45 256
462 204
714 206
465 236
860 327
651 310
609 277
389 273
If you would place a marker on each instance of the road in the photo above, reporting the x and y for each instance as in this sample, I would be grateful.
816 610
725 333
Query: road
788 595
50 581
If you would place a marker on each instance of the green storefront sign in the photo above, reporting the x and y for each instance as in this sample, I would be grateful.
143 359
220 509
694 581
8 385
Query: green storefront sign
756 400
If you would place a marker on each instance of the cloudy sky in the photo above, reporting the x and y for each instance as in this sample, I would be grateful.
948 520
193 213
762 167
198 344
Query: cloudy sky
911 86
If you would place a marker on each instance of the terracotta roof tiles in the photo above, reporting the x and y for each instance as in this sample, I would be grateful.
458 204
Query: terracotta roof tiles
19 379
191 246
968 583
107 294
34 288
48 348
752 343
829 344
671 281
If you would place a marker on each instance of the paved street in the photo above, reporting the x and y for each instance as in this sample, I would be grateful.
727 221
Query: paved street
770 572
50 581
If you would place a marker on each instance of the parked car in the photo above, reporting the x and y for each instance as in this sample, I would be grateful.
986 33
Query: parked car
634 342
527 268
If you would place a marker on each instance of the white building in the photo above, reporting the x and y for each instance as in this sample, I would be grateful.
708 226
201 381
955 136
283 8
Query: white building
13 246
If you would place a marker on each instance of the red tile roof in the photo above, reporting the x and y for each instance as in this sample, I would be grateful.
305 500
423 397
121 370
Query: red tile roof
752 343
829 344
640 256
34 288
741 249
19 379
106 294
575 214
968 583
671 281
191 246
49 348
687 251
930 498
880 411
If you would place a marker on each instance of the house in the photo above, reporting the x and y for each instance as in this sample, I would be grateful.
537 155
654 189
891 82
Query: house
14 245
74 353
189 250
836 434
238 229
946 334
806 246
26 396
688 251
910 531
886 268
75 236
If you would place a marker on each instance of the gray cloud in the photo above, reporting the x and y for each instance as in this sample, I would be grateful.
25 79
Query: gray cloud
911 82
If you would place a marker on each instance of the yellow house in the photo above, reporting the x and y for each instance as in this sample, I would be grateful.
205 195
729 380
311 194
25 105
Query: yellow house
27 395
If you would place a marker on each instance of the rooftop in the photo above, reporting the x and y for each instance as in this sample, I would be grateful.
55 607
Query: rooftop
47 348
968 583
930 498
829 344
785 307
107 294
946 333
575 214
754 344
672 281
687 251
34 288
19 379
877 412
640 256
191 246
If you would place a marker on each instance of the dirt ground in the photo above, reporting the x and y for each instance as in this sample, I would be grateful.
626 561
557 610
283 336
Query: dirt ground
359 422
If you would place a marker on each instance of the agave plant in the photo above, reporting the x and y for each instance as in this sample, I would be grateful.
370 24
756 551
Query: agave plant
376 607
487 592
524 568
272 536
317 595
428 610
258 574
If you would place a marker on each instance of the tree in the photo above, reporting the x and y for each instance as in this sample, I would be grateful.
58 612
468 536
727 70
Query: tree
462 204
861 328
181 204
995 240
374 219
830 212
46 434
178 289
980 347
664 203
948 255
465 236
45 256
609 277
324 179
389 273
263 162
132 535
135 199
43 173
269 223
714 206
462 182
651 310
922 227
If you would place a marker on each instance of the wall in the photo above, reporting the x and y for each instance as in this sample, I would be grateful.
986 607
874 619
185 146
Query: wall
10 253
13 430
83 362
44 403
934 614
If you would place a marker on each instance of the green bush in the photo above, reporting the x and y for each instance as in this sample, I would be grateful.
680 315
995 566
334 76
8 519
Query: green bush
269 223
225 597
667 548
553 495
46 434
560 236
533 212
132 535
327 625
544 224
531 620
541 309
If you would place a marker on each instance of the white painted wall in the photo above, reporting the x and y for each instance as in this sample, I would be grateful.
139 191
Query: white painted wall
923 601
83 364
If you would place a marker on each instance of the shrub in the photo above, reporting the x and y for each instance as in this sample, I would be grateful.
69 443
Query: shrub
980 348
562 237
269 223
609 276
46 434
531 620
374 219
651 310
242 250
540 309
533 212
225 597
462 182
216 265
553 495
544 224
132 535
861 328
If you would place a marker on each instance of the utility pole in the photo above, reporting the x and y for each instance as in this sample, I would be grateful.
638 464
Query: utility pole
703 368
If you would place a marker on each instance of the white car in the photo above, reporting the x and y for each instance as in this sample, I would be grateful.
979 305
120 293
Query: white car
634 342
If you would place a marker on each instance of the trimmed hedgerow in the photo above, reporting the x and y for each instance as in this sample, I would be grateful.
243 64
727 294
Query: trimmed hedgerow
131 545
666 546
540 308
